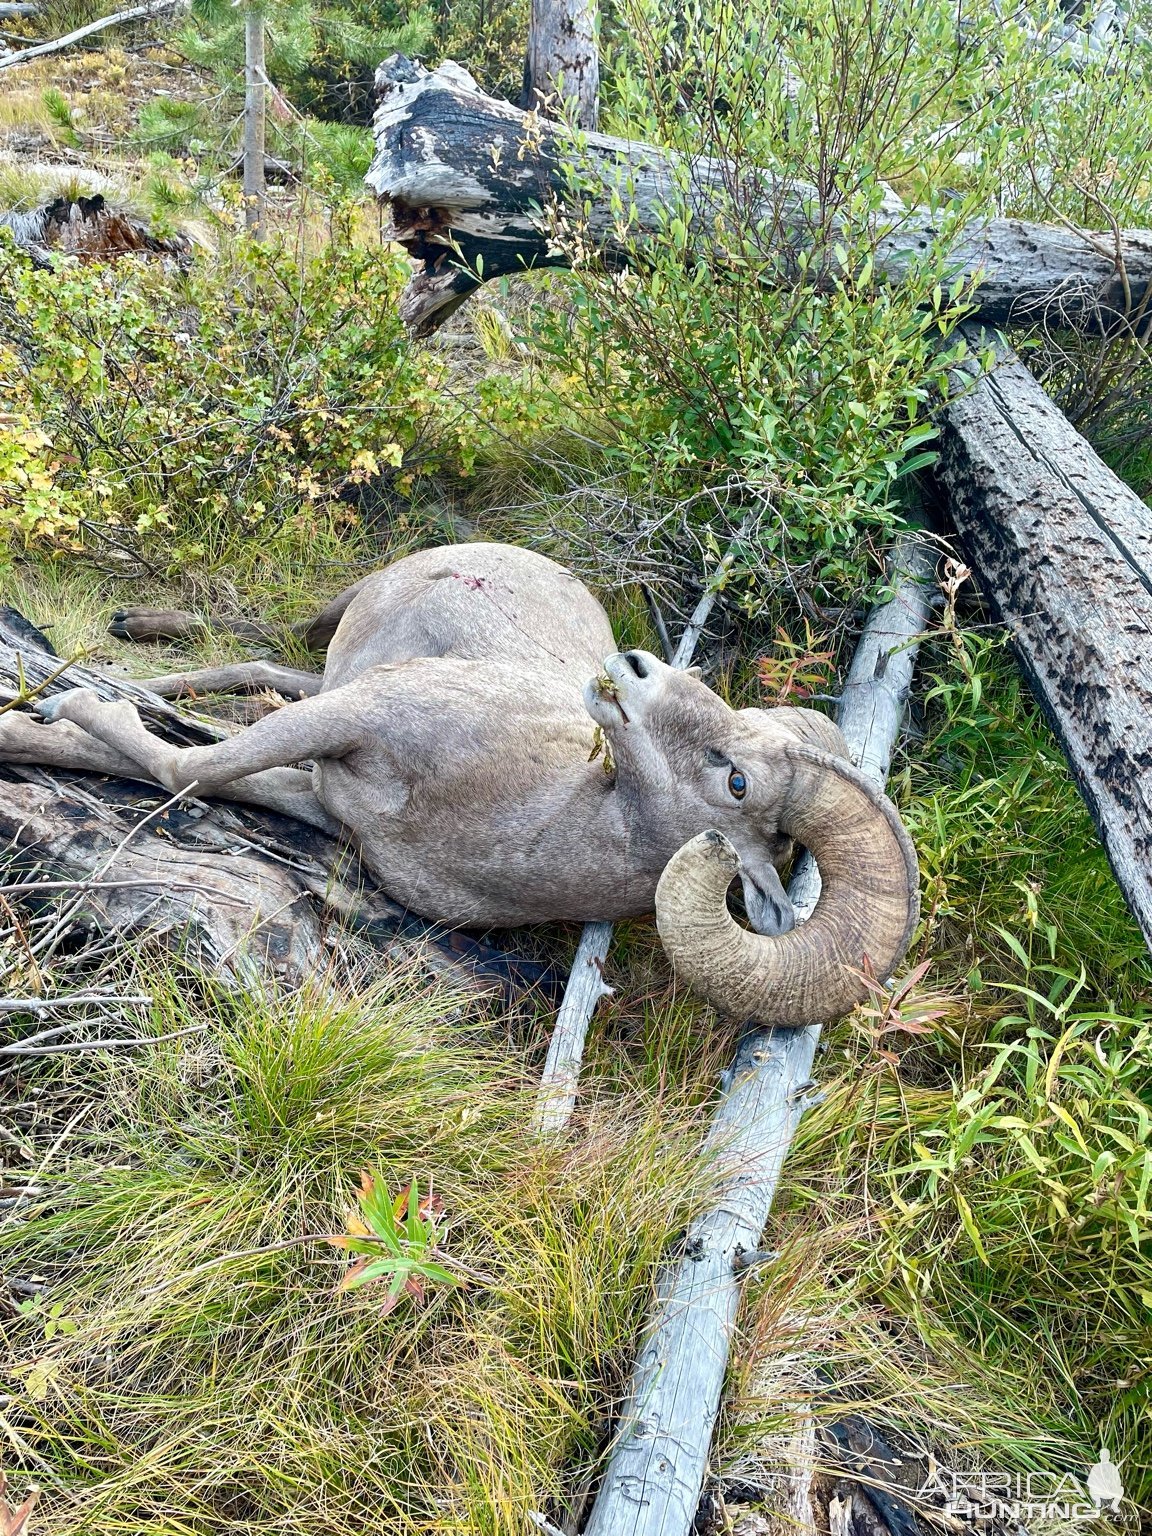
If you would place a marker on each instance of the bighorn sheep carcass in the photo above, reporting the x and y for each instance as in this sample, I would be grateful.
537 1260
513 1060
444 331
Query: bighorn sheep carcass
454 732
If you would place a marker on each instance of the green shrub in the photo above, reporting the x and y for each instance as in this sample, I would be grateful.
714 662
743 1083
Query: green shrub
1008 1213
322 57
232 401
173 126
794 389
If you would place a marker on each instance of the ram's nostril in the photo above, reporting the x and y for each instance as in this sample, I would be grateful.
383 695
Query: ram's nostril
637 663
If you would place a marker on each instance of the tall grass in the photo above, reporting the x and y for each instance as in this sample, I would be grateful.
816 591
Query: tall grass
203 1374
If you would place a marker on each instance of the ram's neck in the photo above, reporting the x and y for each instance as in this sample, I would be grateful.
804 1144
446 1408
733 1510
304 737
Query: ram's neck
586 827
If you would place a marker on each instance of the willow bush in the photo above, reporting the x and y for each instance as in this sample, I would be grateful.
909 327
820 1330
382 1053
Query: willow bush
180 414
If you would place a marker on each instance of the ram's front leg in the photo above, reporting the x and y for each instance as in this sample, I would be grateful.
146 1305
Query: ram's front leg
325 726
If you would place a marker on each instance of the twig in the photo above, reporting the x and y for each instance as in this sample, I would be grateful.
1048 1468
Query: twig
46 1160
71 1000
659 626
542 1523
137 13
691 636
99 1045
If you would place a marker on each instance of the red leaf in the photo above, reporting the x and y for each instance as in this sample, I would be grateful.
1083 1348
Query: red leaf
13 1521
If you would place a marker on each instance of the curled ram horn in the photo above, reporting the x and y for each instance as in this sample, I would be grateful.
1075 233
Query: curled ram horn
868 906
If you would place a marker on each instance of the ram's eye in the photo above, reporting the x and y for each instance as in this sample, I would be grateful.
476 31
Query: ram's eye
737 784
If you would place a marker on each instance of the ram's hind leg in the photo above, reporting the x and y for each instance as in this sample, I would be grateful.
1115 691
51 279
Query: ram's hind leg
63 744
166 624
145 624
325 726
241 677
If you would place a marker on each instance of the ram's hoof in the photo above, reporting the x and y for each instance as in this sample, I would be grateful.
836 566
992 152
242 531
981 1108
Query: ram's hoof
60 705
154 624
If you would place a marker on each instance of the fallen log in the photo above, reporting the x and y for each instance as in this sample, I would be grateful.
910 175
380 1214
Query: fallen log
471 182
657 1465
121 871
1063 549
239 890
135 13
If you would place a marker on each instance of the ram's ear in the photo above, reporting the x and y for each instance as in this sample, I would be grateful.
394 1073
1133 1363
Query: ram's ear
766 901
696 672
786 723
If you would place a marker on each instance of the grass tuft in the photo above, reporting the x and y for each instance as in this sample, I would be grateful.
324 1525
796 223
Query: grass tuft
203 1374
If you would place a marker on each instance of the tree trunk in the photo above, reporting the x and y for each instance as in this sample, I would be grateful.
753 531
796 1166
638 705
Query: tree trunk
562 67
1064 549
254 84
471 180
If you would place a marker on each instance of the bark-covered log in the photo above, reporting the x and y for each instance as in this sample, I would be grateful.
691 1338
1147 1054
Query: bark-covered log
1064 549
471 181
237 888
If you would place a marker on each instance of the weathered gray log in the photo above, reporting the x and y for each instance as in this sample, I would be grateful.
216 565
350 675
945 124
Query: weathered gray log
659 1457
240 889
1063 549
472 182
585 990
135 13
232 912
562 66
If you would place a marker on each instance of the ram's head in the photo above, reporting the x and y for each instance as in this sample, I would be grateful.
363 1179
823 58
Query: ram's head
734 790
